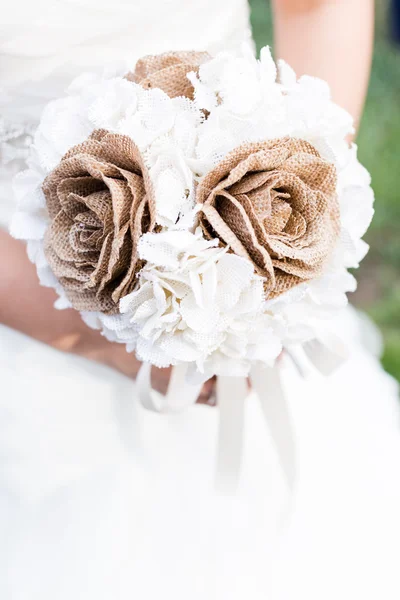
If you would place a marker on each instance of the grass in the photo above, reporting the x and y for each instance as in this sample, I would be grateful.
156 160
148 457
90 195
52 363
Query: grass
379 150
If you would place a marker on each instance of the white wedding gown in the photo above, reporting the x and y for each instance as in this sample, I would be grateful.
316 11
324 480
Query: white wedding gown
101 500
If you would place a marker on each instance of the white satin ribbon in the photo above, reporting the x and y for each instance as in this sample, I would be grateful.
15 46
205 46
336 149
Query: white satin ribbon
180 394
267 383
231 395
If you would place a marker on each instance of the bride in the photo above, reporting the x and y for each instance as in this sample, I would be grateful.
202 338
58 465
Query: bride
101 500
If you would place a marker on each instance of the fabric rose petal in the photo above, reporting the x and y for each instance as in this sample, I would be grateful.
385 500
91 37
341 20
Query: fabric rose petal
274 203
100 202
168 72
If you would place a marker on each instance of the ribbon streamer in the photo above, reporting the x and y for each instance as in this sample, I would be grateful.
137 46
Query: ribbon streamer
267 383
231 395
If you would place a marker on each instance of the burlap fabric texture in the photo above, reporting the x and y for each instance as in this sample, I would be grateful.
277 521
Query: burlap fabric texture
168 72
100 201
274 203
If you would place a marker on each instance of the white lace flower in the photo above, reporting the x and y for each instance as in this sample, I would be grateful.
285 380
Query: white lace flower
173 185
29 223
197 303
356 208
117 105
247 104
114 105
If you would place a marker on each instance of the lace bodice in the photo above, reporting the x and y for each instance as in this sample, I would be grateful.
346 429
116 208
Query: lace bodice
44 45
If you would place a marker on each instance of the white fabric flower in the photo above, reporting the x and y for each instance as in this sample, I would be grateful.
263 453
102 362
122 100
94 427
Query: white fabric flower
197 303
356 207
173 182
247 104
168 159
114 105
29 223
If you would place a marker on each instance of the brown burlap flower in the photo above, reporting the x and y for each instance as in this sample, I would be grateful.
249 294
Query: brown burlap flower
100 201
168 72
274 203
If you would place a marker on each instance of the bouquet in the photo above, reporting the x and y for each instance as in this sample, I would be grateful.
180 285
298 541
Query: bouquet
203 211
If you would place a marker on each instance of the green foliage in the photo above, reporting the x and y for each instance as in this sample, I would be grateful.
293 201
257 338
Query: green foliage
379 151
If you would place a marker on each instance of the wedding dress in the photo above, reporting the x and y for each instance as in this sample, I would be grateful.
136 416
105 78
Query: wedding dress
102 500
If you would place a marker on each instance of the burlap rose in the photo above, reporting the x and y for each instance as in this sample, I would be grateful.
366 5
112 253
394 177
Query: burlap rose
274 203
100 201
168 72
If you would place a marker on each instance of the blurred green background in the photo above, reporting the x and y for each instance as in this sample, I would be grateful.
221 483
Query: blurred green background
379 150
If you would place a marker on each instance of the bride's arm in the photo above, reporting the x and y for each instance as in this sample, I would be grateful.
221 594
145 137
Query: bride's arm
331 39
28 307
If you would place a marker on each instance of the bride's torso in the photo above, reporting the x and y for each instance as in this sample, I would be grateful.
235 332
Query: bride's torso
44 45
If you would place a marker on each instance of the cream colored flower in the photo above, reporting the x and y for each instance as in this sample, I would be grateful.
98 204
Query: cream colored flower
197 303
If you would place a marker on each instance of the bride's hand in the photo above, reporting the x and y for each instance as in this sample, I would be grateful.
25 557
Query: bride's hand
29 308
